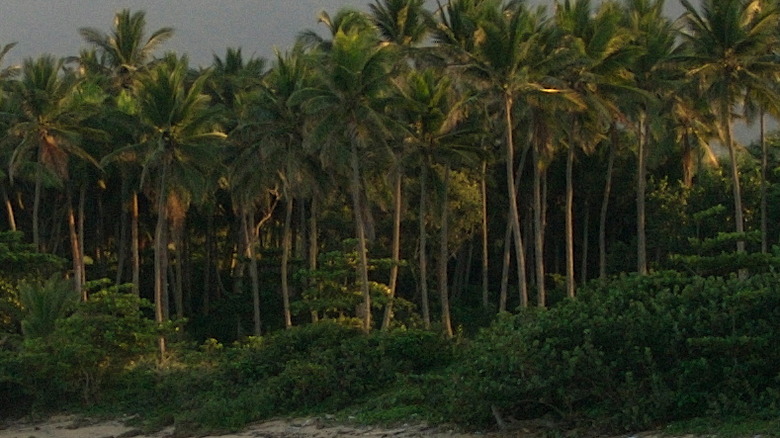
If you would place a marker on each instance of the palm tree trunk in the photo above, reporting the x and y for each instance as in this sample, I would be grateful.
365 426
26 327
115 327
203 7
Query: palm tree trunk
313 244
178 281
513 212
764 184
502 296
247 218
484 229
75 250
605 207
161 258
9 208
80 217
585 244
135 254
426 313
570 222
36 208
361 235
396 250
286 243
737 191
446 320
641 189
541 293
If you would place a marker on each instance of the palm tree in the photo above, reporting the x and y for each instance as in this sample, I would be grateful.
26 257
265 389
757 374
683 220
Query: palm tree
126 49
349 120
179 138
601 50
403 23
232 84
48 130
280 125
124 53
730 50
435 131
346 20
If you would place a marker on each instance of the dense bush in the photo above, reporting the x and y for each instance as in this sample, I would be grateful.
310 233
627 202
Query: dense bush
629 353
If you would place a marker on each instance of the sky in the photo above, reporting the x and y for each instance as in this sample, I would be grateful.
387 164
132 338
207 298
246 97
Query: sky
202 27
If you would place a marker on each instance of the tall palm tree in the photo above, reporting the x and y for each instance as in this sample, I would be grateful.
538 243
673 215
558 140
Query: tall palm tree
345 20
126 49
280 125
123 53
48 130
179 138
349 120
233 82
436 133
730 50
403 23
600 54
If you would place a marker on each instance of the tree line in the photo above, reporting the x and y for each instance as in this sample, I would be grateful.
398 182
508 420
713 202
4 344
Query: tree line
483 151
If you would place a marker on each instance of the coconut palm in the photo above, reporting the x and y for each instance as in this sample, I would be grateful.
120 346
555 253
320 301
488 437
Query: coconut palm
349 120
126 49
122 54
730 50
437 135
346 20
179 138
600 55
232 83
48 130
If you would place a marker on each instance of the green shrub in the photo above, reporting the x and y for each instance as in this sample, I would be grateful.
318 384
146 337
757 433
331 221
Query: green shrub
629 352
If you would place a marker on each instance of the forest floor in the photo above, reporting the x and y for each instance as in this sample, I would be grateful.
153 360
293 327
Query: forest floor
69 426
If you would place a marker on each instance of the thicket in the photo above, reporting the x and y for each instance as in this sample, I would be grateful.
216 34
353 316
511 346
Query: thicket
629 353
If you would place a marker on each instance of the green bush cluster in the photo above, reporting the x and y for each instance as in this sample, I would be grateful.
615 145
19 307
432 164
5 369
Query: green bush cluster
631 352
325 366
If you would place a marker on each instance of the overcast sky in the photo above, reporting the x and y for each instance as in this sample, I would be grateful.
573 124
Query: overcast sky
203 27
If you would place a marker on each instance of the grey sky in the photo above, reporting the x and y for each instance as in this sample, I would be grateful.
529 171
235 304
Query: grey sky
203 27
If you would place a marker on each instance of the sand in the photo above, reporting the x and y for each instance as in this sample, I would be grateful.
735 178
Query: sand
69 426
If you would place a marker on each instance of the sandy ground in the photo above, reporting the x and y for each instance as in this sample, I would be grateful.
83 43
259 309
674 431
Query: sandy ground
76 427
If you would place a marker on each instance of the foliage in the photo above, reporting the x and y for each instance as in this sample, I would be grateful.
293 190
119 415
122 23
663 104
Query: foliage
43 303
630 352
94 344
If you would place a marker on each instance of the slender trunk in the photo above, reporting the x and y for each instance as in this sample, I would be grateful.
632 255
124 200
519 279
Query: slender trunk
541 293
426 313
570 282
513 212
502 297
286 243
313 246
396 250
250 240
485 249
764 184
135 253
9 208
161 257
737 191
605 207
444 258
508 239
361 235
76 255
122 244
80 218
36 208
210 252
641 189
585 244
178 285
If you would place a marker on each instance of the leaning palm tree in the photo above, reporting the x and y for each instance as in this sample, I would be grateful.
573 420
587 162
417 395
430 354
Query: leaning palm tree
349 120
730 50
179 138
